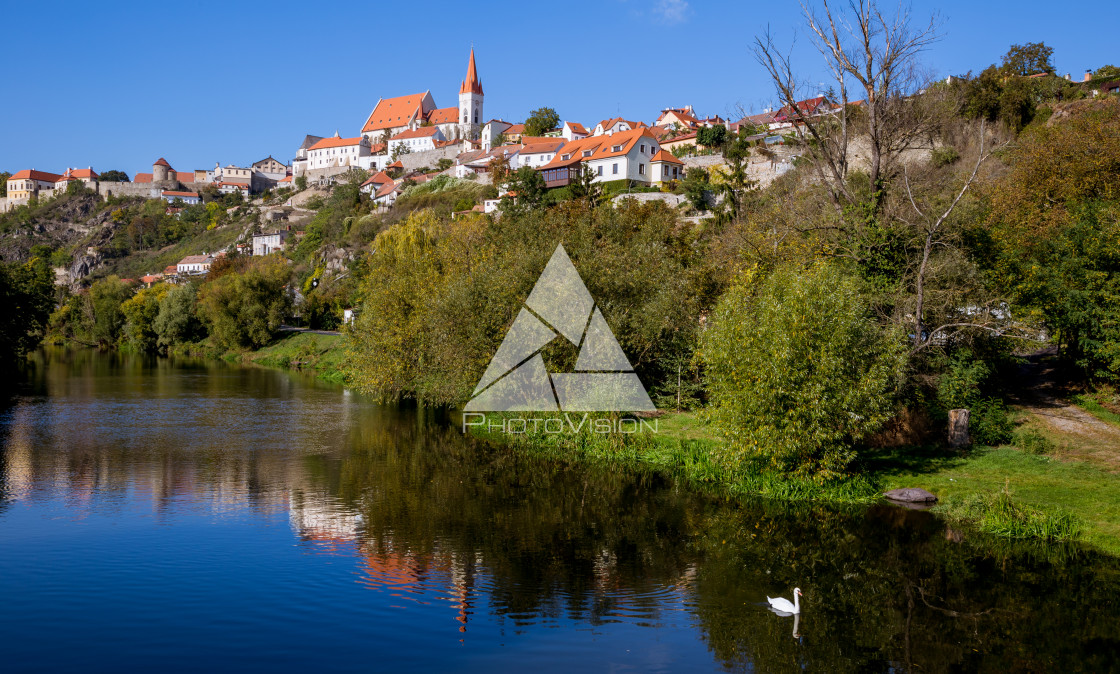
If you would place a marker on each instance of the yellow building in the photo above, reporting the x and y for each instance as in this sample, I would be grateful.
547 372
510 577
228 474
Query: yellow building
29 182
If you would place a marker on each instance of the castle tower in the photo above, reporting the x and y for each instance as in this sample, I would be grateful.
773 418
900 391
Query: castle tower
470 102
161 171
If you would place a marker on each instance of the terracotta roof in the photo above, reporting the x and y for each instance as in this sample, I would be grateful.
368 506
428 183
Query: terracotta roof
444 115
665 156
151 278
471 84
78 174
608 123
335 141
444 143
195 259
601 147
285 179
392 112
162 162
142 177
377 148
396 164
515 129
170 269
36 175
172 193
551 145
684 116
387 188
422 132
687 136
577 127
184 176
377 179
806 107
233 183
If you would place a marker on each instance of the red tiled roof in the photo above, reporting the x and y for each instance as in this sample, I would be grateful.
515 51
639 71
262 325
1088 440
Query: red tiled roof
422 132
377 179
665 156
32 174
444 115
471 84
233 183
173 193
162 162
577 127
806 107
142 178
170 269
392 112
184 176
548 145
515 129
396 164
335 141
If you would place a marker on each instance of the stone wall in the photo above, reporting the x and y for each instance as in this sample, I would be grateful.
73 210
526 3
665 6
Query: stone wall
430 158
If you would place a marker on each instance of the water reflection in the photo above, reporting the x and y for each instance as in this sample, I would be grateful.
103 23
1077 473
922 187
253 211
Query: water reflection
439 535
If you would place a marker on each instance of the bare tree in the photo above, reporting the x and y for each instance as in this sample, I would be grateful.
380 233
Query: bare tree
877 55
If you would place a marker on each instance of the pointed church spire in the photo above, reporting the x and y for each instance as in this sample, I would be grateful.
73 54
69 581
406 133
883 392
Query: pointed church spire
471 85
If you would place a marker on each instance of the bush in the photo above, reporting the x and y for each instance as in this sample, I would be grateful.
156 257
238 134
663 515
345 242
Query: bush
243 310
943 156
1031 441
997 513
798 371
990 423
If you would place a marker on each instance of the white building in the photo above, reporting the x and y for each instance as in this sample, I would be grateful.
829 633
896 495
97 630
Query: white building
194 264
338 152
609 126
573 131
491 130
189 198
537 155
264 244
416 140
623 155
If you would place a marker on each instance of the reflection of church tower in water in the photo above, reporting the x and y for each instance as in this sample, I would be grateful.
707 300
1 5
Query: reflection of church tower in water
470 102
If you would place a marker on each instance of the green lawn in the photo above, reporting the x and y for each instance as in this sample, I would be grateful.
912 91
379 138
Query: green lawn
322 354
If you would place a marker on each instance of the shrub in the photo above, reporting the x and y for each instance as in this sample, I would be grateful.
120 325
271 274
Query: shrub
943 156
243 310
990 424
1031 441
798 371
997 513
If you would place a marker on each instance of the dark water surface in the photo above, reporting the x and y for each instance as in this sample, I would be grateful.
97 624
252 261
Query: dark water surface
178 516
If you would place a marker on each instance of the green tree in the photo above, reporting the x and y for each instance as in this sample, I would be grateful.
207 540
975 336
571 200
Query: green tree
1109 71
1028 59
26 300
445 163
113 177
106 297
541 121
526 191
245 310
301 183
140 313
4 175
798 370
585 187
177 321
712 136
696 185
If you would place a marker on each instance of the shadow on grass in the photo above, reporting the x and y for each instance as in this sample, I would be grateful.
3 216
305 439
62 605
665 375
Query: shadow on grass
887 461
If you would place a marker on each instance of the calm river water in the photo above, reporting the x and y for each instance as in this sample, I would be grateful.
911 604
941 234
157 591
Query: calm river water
164 515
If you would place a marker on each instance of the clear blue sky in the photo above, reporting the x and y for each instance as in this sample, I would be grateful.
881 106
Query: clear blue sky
117 85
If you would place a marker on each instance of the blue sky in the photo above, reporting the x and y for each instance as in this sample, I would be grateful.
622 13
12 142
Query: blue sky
117 85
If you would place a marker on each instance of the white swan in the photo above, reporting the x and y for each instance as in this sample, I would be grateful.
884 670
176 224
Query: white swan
782 604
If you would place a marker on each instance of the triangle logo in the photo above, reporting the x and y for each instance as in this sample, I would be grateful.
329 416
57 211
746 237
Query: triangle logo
559 306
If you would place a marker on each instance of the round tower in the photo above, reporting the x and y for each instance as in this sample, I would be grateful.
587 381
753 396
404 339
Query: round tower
161 171
470 102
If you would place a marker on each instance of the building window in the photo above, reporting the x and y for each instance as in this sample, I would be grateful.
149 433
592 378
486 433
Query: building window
643 149
616 148
614 168
666 171
641 169
600 170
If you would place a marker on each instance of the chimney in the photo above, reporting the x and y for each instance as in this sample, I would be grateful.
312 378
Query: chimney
1088 76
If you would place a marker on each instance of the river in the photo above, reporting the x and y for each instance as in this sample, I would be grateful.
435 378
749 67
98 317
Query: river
176 515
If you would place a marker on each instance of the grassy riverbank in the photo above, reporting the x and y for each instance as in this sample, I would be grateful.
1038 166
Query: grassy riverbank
1005 491
321 355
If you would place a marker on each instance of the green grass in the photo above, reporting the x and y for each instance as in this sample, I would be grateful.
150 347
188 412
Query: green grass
1090 405
1055 488
321 354
997 513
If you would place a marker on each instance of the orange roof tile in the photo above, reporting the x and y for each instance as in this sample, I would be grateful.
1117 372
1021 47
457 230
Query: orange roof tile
142 178
577 127
600 147
173 193
515 129
335 141
392 112
396 164
665 156
422 132
184 176
162 162
32 174
444 115
548 145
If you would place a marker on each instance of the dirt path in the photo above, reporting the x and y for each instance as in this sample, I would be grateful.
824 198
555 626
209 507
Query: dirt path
1079 434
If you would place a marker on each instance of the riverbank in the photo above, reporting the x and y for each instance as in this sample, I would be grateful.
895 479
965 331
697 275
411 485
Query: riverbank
320 354
1006 491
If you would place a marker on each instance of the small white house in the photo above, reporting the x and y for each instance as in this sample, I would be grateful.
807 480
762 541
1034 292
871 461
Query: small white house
416 140
265 244
336 151
194 264
189 198
536 155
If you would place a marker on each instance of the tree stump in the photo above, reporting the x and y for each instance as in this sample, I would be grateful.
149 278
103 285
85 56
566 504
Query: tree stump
958 428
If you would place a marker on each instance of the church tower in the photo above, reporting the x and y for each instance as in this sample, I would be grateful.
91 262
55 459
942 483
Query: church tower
470 103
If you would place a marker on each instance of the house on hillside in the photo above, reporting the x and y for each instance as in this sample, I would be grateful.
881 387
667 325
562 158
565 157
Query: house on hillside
189 198
539 153
335 152
609 126
29 182
194 264
622 155
270 242
86 176
573 131
416 140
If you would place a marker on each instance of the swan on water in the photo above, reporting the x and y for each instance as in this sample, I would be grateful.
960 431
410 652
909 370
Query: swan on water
784 605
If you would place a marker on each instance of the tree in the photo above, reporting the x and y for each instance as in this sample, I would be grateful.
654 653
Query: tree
244 310
301 183
696 185
712 136
798 370
140 312
1028 59
585 187
1109 71
4 175
177 321
106 297
541 121
26 299
113 177
445 163
499 169
500 140
526 191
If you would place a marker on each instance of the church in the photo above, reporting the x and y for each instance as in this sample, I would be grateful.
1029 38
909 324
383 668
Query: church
407 113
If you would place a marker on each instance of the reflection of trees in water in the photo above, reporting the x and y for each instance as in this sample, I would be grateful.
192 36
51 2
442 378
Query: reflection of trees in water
427 509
